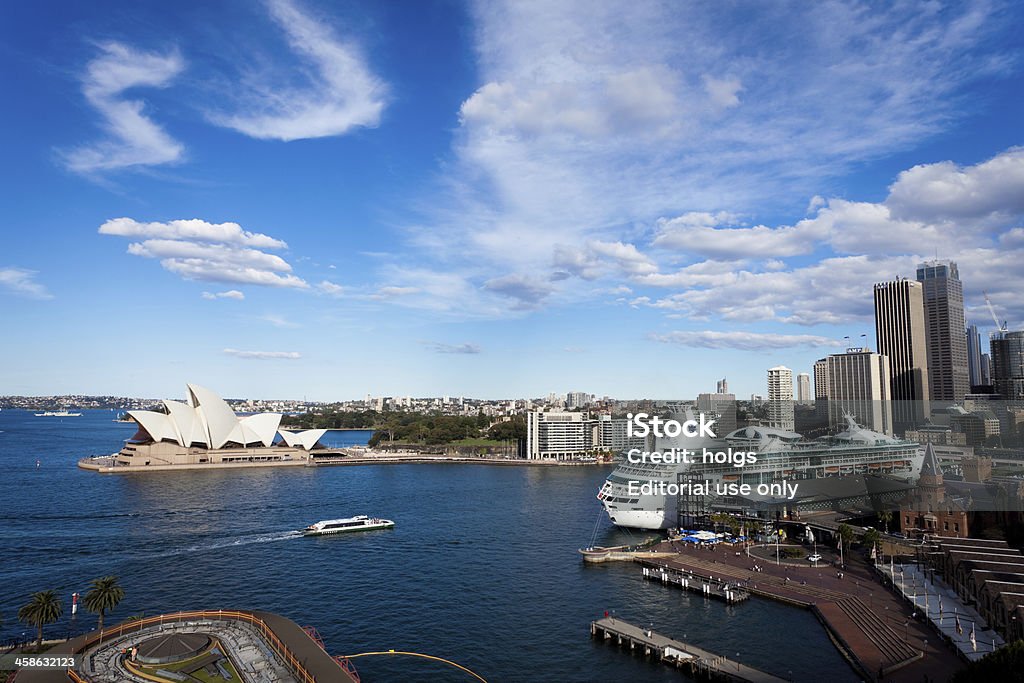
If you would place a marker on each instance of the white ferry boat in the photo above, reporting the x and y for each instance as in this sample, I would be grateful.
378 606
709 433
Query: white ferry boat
58 413
341 526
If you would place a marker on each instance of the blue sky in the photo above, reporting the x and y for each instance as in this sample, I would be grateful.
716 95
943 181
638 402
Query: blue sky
299 198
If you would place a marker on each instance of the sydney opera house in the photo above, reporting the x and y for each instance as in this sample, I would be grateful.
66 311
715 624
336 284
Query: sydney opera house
205 430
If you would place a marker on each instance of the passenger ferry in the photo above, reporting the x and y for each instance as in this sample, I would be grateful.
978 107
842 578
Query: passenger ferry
341 526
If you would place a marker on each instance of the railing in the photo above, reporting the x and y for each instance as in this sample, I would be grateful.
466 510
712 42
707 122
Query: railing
279 647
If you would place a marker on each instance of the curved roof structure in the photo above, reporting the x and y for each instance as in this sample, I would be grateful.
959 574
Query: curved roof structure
306 439
207 421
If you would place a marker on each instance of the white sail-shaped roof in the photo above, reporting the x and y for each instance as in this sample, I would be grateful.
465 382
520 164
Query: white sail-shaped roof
160 427
305 439
207 420
220 421
261 427
186 421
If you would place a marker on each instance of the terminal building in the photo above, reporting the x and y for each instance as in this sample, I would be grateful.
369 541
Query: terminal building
205 430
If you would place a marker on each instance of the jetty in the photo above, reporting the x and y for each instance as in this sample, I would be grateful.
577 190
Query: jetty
869 625
699 663
688 581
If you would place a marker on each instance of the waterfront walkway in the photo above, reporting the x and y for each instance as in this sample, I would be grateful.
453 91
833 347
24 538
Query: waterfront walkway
942 607
867 622
699 662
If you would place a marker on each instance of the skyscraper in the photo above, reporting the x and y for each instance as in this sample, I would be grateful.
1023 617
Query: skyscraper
858 384
974 356
780 398
1008 366
948 378
900 331
820 379
723 386
803 388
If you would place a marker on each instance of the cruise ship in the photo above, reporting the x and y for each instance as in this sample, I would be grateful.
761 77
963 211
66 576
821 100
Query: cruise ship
781 455
58 413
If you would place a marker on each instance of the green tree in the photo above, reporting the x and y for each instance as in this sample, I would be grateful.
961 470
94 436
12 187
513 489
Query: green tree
44 608
103 597
885 516
845 532
1005 665
871 538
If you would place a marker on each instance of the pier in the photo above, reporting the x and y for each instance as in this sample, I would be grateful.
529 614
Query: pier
698 662
688 581
869 625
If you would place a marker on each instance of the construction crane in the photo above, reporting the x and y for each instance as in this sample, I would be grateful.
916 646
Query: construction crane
991 310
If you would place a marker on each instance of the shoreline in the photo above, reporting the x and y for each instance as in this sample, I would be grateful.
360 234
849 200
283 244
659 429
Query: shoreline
103 464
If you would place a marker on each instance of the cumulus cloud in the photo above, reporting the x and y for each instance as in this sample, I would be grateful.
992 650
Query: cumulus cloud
947 191
746 341
133 139
343 93
577 97
214 252
598 258
758 241
190 229
438 347
263 355
229 294
22 281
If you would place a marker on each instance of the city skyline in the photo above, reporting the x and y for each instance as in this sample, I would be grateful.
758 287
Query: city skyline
302 199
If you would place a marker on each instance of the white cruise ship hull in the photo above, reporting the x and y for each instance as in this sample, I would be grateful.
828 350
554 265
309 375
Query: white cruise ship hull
640 519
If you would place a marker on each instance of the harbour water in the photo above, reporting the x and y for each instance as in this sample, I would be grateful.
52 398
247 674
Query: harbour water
481 567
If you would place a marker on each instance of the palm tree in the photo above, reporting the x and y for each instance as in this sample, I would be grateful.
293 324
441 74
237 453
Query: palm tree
44 608
885 516
103 597
845 532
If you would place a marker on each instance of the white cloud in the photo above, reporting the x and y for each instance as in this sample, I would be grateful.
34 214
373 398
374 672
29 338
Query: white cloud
191 229
758 241
331 288
263 355
132 139
747 341
723 92
438 347
22 282
946 191
590 122
526 291
343 93
229 294
213 252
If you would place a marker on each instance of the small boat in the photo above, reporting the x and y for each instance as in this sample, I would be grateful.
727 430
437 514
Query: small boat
341 526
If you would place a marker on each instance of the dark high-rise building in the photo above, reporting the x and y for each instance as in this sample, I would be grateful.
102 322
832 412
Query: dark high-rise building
948 378
1008 366
900 331
974 356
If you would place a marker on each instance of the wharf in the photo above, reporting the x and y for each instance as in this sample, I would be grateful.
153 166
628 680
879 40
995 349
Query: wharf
869 625
687 581
698 662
